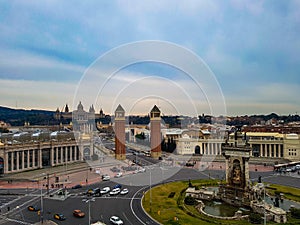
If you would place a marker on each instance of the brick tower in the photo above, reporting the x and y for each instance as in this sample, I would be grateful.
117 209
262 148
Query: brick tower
120 152
155 138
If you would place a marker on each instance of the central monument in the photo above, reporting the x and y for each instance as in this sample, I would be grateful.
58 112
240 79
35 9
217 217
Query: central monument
237 155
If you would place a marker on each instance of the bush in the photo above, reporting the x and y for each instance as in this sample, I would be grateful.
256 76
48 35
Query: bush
189 200
295 213
171 195
255 218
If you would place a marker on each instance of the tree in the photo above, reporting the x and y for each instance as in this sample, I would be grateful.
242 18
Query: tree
189 200
255 218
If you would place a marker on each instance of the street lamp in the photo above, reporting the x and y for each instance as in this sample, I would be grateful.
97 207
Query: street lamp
18 207
150 192
89 201
265 219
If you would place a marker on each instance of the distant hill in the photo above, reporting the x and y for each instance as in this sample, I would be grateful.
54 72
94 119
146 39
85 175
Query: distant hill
17 117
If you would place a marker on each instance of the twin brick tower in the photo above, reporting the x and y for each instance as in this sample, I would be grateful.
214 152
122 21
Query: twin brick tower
155 137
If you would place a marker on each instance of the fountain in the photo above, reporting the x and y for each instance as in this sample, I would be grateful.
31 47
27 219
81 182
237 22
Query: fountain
237 197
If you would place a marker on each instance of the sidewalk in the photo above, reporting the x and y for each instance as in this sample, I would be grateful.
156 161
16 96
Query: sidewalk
77 173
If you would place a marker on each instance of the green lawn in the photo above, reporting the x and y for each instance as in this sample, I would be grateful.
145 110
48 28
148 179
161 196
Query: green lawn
289 192
171 210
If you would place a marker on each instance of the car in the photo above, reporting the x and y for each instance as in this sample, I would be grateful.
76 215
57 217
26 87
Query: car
33 208
115 220
78 213
104 178
142 170
104 190
118 175
77 186
59 216
97 192
115 191
90 191
124 191
118 186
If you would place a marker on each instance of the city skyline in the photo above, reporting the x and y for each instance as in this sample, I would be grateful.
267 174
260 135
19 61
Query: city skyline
251 48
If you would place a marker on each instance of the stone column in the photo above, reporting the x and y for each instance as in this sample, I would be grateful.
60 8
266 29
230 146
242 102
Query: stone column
40 165
61 155
28 158
23 159
6 162
66 154
12 161
52 156
71 153
18 160
246 161
56 153
33 158
227 167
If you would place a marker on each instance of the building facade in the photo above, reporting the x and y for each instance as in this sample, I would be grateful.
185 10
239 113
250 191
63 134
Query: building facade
263 144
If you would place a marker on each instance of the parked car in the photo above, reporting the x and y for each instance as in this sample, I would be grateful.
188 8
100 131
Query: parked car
118 186
118 175
78 213
115 191
97 192
59 216
33 208
105 190
116 220
104 178
124 191
90 191
77 186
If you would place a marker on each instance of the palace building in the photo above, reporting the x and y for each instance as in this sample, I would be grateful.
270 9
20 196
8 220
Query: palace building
263 144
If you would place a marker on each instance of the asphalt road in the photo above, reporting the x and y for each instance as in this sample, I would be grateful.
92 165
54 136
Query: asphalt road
127 207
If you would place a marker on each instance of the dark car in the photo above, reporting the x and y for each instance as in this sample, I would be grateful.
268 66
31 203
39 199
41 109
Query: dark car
77 186
117 186
59 216
33 208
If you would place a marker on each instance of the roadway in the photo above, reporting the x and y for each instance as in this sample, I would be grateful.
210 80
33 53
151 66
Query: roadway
127 207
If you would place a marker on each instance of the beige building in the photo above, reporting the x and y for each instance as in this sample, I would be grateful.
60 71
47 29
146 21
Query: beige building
263 144
23 156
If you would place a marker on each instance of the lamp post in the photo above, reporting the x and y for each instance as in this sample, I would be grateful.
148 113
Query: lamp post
265 219
18 207
150 192
89 201
42 206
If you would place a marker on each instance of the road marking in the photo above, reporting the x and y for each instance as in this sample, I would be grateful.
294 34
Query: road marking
131 207
17 221
126 218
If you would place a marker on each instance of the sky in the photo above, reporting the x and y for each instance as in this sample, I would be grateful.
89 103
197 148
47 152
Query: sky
250 50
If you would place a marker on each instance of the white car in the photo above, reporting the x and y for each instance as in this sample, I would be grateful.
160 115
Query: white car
105 190
124 191
118 175
115 191
116 220
106 178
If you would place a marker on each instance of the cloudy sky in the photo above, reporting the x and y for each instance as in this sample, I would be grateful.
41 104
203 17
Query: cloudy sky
251 49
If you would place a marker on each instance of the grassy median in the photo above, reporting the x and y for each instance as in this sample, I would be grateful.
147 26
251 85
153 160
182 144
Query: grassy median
167 207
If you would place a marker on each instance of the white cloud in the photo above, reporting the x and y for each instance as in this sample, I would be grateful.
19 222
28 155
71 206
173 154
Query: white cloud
36 94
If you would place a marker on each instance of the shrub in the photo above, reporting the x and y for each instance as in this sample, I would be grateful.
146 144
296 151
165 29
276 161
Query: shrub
295 213
255 218
189 200
171 195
